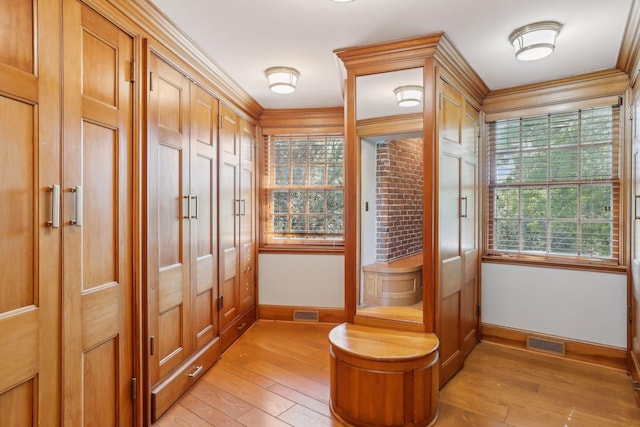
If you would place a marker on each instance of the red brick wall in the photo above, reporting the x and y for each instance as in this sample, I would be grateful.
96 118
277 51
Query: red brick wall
398 198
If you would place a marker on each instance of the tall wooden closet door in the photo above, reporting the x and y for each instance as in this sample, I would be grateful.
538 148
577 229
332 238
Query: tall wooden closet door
247 220
451 260
204 214
30 233
169 299
98 212
230 209
469 228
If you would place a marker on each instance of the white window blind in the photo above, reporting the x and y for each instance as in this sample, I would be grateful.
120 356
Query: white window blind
303 189
554 185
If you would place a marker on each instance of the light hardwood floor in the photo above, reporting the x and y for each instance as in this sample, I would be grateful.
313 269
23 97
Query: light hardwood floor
277 374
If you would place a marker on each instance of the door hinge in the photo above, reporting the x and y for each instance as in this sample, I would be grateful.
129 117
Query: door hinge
132 71
630 314
134 388
220 121
479 131
630 112
478 310
152 345
151 81
220 302
440 101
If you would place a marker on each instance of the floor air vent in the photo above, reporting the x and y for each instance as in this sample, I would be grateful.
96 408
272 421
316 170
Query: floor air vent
305 316
546 345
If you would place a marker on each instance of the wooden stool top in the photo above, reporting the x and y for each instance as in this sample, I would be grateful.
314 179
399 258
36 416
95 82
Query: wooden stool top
382 344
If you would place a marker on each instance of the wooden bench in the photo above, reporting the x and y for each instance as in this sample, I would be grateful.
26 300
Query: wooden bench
397 283
383 377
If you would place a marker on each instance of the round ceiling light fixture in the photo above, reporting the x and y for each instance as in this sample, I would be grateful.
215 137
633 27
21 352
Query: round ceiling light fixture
408 96
282 79
535 41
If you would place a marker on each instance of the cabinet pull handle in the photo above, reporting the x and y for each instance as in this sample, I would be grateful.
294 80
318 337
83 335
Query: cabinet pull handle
237 207
241 327
464 215
77 190
188 215
196 215
55 206
195 372
637 214
243 212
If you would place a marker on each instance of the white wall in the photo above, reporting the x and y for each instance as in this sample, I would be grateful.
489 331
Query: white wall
301 280
580 305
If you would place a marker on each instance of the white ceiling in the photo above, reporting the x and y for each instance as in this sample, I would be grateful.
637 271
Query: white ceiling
245 37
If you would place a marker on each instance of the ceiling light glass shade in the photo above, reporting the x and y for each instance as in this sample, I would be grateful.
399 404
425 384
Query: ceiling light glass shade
408 96
282 79
535 41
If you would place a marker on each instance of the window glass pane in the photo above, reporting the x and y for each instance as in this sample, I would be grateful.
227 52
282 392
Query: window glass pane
281 224
299 175
564 129
281 151
316 224
316 175
534 236
595 239
507 203
335 151
298 224
298 202
507 167
334 224
316 201
507 235
317 154
335 175
596 162
534 202
595 202
563 202
534 132
534 166
564 164
299 151
282 175
563 238
335 202
280 202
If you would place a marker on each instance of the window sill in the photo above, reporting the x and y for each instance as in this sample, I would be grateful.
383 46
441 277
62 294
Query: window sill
555 263
301 249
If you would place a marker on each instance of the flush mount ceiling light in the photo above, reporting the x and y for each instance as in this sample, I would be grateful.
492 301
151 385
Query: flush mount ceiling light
282 79
535 41
408 96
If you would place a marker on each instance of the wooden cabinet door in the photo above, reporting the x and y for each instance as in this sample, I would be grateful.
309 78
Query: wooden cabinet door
30 248
169 290
457 219
634 303
229 210
98 319
469 224
247 292
203 197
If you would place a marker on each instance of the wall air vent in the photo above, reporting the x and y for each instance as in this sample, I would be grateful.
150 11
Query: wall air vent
305 316
546 345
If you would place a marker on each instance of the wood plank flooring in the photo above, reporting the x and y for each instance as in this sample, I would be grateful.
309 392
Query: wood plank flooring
277 374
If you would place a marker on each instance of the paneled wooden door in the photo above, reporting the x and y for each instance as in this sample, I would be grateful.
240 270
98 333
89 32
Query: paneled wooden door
634 326
458 238
230 208
98 355
30 235
247 294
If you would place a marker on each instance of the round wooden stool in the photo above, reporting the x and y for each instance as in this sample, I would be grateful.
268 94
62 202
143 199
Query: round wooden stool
383 377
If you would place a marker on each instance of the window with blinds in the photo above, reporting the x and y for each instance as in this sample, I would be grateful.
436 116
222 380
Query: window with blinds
553 186
303 190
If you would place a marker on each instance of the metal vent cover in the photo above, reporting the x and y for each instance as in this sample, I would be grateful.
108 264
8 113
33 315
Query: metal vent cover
546 345
305 315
